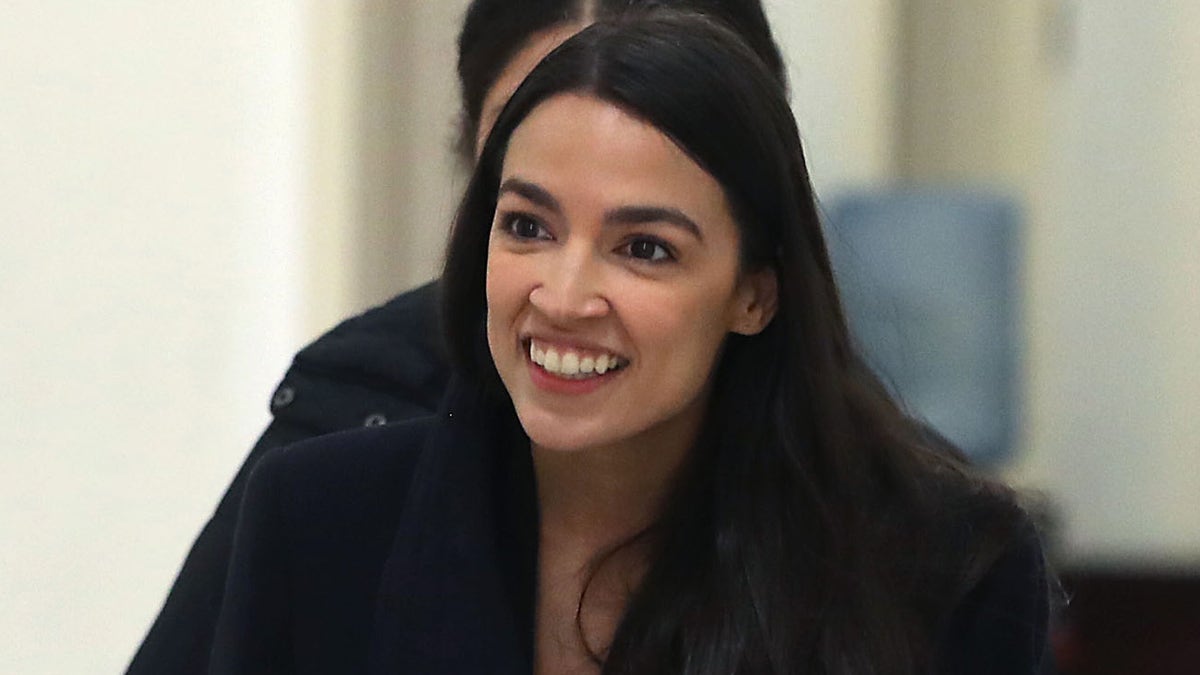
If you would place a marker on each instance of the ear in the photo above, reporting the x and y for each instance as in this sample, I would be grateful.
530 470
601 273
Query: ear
755 302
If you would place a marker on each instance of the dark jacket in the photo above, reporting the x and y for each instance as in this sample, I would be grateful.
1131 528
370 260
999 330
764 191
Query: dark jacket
412 549
385 365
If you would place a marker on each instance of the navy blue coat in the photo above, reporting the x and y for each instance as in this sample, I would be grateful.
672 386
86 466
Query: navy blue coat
412 549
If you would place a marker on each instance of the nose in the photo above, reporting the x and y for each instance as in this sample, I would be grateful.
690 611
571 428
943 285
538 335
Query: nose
571 288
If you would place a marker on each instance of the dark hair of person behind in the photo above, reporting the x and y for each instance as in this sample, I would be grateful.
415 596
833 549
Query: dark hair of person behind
495 30
814 530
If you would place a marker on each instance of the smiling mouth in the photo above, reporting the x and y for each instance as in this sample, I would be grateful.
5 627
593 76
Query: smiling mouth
574 364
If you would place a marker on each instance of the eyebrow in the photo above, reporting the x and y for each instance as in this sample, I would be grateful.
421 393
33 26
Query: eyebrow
637 215
623 215
531 191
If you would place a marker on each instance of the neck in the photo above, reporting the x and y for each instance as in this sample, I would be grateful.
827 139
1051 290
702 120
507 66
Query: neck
591 500
597 497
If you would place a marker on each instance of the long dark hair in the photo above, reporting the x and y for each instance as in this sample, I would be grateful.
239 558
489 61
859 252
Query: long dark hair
815 530
494 31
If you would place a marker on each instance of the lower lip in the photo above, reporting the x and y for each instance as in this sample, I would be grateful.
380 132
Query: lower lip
558 385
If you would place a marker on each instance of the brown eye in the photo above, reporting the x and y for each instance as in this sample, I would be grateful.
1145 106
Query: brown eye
525 227
649 250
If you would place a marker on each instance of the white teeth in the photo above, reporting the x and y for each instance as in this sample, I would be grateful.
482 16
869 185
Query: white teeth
571 364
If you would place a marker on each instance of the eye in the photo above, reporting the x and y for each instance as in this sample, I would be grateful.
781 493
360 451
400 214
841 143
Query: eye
649 249
523 226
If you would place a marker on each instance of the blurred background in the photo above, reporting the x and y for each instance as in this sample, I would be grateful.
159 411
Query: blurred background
191 192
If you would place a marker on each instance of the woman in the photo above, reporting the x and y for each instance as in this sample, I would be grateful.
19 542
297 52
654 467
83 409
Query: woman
660 453
387 365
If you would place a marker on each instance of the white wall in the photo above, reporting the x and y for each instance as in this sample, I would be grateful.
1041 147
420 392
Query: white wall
150 175
842 64
1114 288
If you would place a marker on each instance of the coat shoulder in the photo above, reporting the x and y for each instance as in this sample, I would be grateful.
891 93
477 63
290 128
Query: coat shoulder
398 341
358 477
384 365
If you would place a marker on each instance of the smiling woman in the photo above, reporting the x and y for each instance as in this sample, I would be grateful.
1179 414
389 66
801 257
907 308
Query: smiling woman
660 453
610 245
613 279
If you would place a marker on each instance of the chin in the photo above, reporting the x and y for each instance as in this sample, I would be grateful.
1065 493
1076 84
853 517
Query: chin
551 432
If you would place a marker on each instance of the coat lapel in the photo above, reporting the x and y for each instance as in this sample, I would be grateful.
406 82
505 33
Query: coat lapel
456 594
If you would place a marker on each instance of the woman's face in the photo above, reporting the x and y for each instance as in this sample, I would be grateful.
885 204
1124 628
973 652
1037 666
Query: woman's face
612 279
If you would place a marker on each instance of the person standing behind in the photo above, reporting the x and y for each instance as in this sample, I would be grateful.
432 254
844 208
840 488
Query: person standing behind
387 364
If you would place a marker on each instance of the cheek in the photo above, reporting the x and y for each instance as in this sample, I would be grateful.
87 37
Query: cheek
495 279
493 295
685 326
504 290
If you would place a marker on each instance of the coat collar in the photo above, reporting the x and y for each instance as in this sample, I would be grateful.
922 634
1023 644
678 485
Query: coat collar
457 592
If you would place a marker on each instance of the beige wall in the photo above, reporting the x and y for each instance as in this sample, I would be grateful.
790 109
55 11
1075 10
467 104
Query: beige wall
407 170
971 89
842 63
383 179
386 181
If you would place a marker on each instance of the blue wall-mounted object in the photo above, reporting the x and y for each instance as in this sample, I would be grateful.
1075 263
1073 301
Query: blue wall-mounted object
929 278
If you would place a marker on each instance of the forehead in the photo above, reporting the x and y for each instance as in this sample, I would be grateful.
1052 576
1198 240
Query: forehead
576 140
